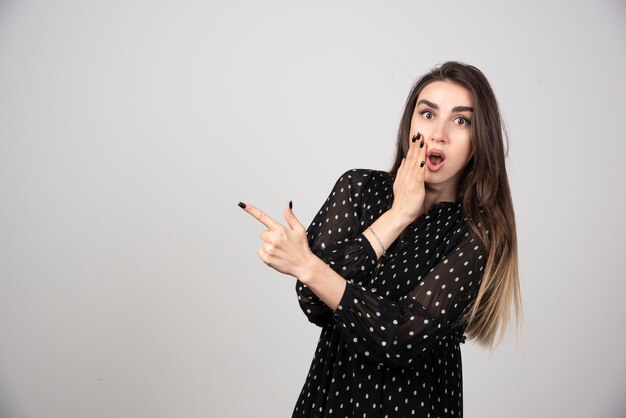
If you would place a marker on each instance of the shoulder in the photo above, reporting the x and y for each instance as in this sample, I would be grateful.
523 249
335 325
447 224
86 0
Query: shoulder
360 177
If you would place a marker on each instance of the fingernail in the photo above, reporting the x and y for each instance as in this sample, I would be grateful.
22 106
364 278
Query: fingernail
415 137
290 205
422 144
419 135
422 163
242 205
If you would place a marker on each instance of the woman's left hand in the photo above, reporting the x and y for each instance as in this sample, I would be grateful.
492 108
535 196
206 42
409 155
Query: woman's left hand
285 249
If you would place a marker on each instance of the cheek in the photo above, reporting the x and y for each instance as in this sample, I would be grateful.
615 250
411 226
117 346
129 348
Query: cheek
468 150
464 149
459 158
416 120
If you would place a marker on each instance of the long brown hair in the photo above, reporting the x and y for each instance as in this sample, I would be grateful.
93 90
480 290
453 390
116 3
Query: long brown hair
486 200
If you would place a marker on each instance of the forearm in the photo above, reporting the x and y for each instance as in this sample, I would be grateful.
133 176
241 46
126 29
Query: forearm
387 227
329 285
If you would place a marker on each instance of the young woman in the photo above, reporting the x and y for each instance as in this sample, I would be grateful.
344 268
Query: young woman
398 265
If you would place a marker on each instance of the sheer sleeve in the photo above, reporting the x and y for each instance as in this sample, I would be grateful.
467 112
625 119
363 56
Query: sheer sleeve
397 333
335 236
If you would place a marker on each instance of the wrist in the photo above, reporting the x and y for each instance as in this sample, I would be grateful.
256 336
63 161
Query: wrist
399 220
309 269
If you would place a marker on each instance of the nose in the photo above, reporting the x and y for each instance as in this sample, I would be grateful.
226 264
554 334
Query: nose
438 135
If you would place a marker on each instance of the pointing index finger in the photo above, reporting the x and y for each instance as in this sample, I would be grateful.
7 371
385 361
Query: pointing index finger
262 217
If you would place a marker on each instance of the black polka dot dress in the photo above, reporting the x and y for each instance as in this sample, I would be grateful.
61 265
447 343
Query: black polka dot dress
389 349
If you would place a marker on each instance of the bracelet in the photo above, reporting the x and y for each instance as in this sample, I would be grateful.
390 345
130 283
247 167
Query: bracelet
378 239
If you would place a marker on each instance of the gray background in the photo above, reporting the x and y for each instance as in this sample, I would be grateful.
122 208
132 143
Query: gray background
130 285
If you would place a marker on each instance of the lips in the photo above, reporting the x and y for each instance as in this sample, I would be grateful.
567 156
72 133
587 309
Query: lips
435 159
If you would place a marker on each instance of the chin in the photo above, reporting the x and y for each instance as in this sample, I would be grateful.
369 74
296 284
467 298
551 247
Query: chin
434 179
431 178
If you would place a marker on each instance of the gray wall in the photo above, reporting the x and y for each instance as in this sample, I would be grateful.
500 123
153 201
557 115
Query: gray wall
130 285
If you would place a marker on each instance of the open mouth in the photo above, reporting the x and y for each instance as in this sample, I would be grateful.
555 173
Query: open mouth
435 159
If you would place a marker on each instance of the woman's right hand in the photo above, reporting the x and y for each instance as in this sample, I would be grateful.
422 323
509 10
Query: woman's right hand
408 187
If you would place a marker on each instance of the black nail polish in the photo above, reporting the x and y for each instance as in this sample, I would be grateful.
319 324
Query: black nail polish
290 205
419 135
422 163
415 137
422 144
242 205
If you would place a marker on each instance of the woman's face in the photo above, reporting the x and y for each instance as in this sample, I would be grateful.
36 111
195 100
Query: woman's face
443 116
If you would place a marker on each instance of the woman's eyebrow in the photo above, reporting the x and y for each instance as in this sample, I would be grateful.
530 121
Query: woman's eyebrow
454 109
462 109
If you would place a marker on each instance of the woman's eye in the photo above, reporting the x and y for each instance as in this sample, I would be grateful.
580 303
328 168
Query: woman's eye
425 113
465 121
